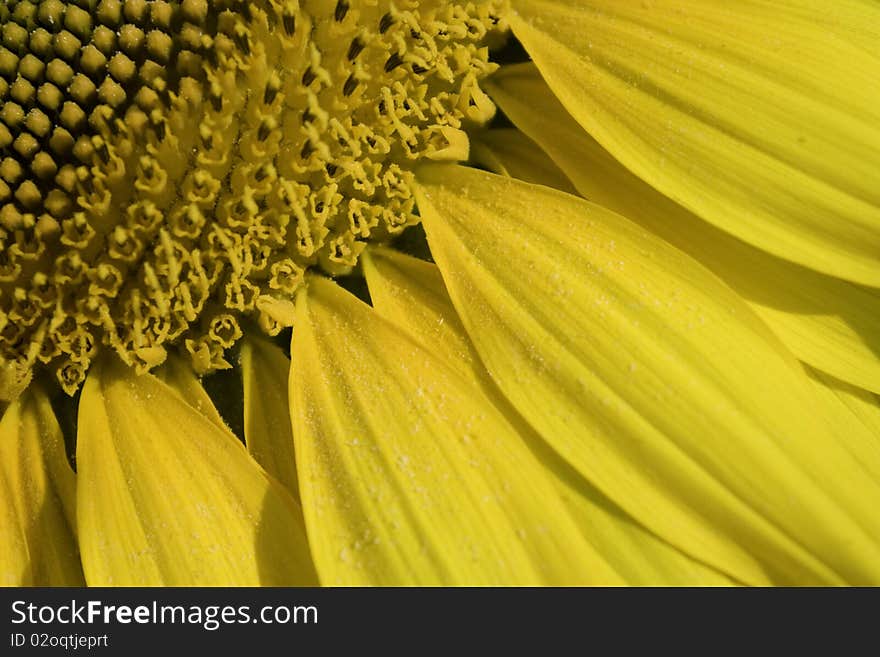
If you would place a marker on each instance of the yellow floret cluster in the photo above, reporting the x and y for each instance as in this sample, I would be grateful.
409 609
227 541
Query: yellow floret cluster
170 169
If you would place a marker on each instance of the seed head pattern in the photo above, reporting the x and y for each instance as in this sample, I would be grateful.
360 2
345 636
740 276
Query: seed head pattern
170 170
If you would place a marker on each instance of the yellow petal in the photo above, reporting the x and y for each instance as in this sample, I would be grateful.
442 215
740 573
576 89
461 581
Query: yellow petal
406 476
509 152
827 322
180 377
411 293
860 421
651 378
759 116
37 498
265 371
165 497
862 404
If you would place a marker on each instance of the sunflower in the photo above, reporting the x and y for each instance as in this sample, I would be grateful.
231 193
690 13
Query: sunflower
439 292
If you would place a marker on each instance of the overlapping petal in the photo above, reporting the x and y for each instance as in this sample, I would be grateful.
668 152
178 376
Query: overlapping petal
653 379
830 323
166 497
37 498
411 293
180 377
265 372
759 116
864 410
406 475
509 152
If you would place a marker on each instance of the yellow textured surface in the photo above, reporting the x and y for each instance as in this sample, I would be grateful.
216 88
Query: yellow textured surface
168 167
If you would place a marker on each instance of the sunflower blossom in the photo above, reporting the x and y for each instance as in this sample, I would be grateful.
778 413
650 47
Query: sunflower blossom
625 330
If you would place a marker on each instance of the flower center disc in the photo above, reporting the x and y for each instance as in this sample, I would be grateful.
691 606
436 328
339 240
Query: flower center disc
169 167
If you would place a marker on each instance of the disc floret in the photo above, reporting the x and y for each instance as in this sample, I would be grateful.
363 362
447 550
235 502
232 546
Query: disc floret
169 168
